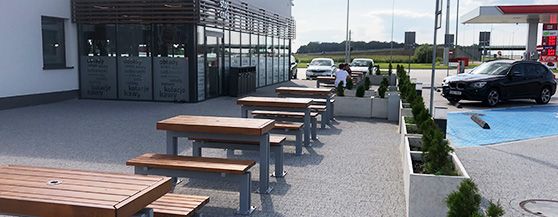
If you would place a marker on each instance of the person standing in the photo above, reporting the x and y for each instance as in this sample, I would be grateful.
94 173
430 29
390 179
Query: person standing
341 75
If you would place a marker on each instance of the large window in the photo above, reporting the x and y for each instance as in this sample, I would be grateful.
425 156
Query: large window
235 49
135 75
201 63
170 63
245 43
269 61
54 46
262 61
97 48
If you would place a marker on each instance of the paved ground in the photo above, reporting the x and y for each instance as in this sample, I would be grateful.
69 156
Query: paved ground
354 169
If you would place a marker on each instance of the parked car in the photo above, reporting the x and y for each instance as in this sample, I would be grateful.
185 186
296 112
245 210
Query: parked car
320 67
294 69
500 80
363 65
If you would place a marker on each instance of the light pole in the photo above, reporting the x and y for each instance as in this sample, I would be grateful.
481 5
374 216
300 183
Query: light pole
446 48
392 26
347 46
437 25
457 26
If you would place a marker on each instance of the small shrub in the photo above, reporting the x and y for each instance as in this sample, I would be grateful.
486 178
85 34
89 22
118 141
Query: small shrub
367 83
350 84
378 71
465 202
360 91
340 89
390 69
383 88
495 210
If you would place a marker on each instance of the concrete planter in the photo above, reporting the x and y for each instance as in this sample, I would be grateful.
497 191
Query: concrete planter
379 108
350 106
425 193
393 106
405 111
368 93
377 79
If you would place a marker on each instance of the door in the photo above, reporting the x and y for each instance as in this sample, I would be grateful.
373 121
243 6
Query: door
214 64
516 86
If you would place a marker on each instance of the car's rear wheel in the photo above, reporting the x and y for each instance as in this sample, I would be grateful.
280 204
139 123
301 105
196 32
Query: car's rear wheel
545 96
493 98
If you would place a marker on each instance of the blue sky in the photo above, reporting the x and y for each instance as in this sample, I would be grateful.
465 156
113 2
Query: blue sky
370 20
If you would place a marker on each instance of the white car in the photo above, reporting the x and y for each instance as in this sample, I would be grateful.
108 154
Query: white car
363 65
320 67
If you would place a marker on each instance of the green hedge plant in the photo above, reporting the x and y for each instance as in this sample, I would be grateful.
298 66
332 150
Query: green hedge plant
383 88
465 202
367 83
360 91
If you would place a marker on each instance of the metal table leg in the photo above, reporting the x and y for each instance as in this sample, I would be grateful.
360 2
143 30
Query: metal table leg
307 126
264 164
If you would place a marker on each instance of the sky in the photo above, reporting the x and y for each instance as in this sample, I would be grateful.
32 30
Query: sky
370 20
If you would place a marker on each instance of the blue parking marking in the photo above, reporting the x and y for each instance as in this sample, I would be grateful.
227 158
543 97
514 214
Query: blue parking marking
507 125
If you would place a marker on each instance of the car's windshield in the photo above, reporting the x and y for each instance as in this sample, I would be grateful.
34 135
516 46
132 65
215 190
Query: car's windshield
493 68
361 63
321 63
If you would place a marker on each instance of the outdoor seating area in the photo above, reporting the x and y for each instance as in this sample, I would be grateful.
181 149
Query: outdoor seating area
267 126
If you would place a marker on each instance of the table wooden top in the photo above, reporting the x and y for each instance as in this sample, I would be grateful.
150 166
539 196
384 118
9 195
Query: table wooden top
217 125
325 78
48 192
277 102
304 91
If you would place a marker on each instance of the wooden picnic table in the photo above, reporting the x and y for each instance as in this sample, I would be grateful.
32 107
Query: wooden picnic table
324 80
48 192
279 104
224 128
320 93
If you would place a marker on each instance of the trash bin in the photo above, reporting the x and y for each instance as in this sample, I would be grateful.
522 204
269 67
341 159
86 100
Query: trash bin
242 80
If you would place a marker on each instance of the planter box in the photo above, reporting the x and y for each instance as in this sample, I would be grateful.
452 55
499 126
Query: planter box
350 106
379 108
393 106
377 79
404 111
425 194
368 93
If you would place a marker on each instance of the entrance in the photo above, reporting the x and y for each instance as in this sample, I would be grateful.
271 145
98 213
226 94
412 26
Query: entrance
214 64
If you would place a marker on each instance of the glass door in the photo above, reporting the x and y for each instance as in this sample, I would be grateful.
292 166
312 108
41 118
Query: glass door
214 64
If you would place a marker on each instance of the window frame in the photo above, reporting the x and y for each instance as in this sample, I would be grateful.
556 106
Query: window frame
50 66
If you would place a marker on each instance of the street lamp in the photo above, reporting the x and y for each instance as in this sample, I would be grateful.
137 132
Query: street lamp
347 46
437 25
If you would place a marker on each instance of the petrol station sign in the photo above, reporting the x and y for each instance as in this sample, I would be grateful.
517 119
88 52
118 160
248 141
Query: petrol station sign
549 45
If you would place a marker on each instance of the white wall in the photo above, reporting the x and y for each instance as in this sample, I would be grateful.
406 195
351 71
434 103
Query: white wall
280 7
21 59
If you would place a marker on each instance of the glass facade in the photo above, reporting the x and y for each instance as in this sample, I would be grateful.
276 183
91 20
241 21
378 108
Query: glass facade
172 62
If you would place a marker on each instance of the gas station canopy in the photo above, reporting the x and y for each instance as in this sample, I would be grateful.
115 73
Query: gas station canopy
512 14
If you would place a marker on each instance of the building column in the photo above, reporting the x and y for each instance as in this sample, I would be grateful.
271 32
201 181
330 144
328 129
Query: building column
532 36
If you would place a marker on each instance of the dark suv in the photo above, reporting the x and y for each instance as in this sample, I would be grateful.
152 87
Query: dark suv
501 80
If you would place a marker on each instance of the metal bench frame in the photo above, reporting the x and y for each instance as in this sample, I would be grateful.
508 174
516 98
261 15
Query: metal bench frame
298 133
244 180
277 150
313 121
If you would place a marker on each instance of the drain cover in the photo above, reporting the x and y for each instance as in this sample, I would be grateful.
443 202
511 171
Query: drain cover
548 208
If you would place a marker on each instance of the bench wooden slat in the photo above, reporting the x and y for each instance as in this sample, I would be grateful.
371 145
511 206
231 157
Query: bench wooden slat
283 114
201 164
223 125
178 205
273 140
288 125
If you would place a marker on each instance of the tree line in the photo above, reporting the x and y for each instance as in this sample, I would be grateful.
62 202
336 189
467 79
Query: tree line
319 47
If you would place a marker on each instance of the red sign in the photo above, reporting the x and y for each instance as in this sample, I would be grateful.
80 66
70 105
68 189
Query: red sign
549 59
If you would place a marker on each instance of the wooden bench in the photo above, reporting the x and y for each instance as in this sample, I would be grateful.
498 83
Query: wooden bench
199 168
276 147
291 128
289 116
178 205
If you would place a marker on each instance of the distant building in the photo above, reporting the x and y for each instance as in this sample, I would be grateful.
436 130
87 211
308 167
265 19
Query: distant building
158 50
